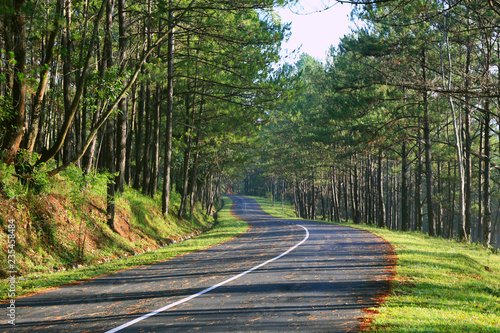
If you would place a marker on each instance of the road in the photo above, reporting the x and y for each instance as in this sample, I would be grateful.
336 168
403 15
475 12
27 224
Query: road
280 276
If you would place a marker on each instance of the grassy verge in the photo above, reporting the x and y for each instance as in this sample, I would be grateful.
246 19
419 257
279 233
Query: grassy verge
65 224
440 285
225 228
275 209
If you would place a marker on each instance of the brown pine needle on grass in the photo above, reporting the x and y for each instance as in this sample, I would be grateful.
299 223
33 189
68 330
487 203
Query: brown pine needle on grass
440 285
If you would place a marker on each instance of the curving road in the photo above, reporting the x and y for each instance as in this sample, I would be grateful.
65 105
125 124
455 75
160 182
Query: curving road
280 276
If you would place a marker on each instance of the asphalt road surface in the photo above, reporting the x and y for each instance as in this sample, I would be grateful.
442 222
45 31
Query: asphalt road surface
280 276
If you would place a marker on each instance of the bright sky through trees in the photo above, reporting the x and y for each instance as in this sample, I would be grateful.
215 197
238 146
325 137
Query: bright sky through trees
313 29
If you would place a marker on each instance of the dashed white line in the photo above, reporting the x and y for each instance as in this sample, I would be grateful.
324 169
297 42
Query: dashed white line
130 323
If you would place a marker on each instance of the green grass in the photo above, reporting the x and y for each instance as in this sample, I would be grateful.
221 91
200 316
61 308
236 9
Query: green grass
275 209
225 228
440 285
65 224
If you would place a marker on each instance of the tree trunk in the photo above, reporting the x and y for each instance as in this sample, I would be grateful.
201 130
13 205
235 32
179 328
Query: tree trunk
427 148
486 184
355 196
110 126
479 231
464 229
169 111
14 126
194 171
191 106
380 188
146 159
405 216
138 138
67 81
153 184
130 135
122 117
346 197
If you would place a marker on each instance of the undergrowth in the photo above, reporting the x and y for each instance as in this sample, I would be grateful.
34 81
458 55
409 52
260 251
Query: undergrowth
64 226
225 228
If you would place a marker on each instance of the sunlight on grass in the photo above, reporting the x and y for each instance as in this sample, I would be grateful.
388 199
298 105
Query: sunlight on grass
275 209
440 285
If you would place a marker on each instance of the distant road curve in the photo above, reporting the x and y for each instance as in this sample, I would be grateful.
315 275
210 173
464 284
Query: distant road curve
280 276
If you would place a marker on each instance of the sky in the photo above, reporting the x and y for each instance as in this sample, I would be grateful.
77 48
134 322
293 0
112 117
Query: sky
312 30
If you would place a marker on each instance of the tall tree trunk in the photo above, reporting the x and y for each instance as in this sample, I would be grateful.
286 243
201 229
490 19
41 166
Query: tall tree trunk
6 30
169 112
138 138
122 117
14 126
187 155
194 170
465 227
451 204
335 197
380 189
110 126
357 211
146 166
346 197
322 199
67 81
146 159
89 156
367 191
313 196
486 184
340 189
130 135
427 148
153 184
405 216
479 232
110 164
191 106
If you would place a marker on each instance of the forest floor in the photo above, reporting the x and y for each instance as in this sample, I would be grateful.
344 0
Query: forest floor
440 285
61 236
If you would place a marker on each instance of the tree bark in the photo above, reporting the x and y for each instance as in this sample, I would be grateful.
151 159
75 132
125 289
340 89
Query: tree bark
130 136
110 126
14 126
194 170
465 227
122 117
405 216
67 81
146 159
380 188
427 149
486 185
169 112
138 138
153 183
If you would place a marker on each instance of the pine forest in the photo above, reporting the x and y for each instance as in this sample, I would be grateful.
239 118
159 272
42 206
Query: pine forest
399 127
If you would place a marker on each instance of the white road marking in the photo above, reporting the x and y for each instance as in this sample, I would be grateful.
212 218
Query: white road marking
130 323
